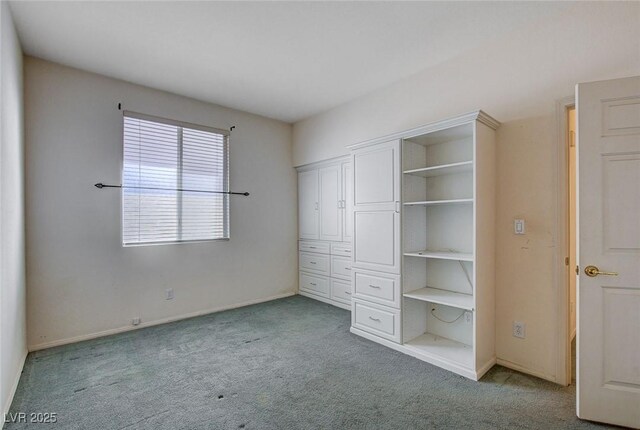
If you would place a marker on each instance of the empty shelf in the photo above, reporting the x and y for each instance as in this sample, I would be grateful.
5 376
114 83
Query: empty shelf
438 202
442 255
443 169
449 134
442 297
439 346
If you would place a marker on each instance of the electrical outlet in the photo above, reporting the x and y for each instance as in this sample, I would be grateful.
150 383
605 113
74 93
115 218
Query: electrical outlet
468 318
169 294
519 329
135 321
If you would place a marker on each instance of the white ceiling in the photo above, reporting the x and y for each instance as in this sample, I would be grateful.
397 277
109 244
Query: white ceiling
284 60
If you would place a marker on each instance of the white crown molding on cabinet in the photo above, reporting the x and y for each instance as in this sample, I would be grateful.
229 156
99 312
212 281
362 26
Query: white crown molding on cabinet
323 163
478 115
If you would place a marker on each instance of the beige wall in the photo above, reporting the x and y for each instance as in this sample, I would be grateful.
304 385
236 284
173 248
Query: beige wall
519 81
13 345
81 281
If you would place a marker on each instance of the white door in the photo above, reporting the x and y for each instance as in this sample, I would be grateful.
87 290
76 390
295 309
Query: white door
609 240
376 209
308 204
347 202
330 203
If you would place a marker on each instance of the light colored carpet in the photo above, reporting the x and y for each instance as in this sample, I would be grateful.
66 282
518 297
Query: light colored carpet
286 364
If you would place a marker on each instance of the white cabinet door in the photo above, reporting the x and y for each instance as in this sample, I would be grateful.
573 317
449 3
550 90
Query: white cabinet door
308 204
330 205
376 210
347 202
377 175
376 243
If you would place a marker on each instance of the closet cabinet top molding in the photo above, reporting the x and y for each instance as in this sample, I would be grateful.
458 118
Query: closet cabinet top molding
478 115
323 163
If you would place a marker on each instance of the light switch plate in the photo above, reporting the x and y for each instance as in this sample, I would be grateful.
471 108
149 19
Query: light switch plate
518 226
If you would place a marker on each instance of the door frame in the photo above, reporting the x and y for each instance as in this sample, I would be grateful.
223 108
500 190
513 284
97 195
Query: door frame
563 359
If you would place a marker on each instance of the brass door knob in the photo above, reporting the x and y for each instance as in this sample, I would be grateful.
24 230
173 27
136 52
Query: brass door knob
593 271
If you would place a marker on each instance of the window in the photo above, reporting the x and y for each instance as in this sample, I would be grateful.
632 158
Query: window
169 172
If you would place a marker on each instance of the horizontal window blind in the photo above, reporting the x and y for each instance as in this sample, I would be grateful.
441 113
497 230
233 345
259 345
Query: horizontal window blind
168 169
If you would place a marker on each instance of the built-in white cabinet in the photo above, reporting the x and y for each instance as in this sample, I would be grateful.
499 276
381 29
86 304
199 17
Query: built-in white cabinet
376 207
325 229
325 272
376 175
347 202
423 269
330 202
308 204
324 208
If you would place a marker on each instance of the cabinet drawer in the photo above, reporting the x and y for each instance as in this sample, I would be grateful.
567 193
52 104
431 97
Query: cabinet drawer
341 291
383 322
318 263
313 246
341 268
343 249
377 287
314 284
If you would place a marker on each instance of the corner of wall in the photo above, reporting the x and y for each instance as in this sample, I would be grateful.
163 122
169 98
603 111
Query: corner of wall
13 342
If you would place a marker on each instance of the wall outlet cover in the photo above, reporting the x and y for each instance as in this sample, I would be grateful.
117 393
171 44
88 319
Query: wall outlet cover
169 294
519 329
135 321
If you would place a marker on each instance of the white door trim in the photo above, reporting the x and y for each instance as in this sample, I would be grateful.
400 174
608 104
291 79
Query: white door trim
563 358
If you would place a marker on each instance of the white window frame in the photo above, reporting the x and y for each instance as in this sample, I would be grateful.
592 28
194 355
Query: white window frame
182 124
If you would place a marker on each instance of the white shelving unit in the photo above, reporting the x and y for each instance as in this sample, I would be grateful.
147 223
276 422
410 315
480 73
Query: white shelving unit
447 277
443 169
438 305
442 297
438 202
443 255
441 348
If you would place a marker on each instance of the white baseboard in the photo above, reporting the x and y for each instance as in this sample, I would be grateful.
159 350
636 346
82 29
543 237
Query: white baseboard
486 367
14 387
109 332
519 368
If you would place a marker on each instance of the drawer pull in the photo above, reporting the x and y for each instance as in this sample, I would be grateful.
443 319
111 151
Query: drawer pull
374 286
374 319
348 292
312 262
312 283
347 251
312 247
347 268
